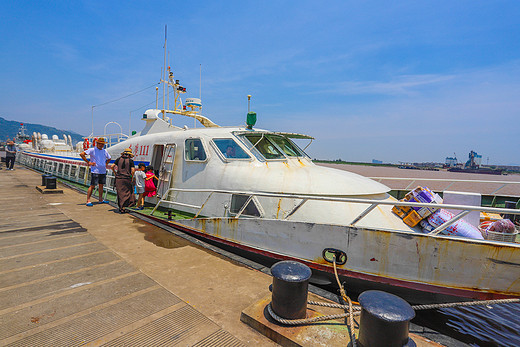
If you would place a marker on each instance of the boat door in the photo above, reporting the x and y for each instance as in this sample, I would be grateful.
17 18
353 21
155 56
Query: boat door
165 170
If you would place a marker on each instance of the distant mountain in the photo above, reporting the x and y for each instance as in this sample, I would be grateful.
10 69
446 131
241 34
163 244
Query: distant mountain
9 129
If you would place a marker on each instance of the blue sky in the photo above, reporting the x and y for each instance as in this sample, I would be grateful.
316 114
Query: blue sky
395 81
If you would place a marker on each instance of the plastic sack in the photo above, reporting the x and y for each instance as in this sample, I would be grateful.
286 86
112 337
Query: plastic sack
459 228
502 226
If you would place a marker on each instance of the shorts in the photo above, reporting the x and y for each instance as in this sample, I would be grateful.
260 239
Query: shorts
139 190
96 179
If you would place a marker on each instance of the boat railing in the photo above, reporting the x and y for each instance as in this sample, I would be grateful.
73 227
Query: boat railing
465 209
451 181
111 139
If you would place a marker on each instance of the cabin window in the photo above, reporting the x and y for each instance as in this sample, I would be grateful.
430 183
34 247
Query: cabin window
73 170
230 149
194 150
67 169
60 168
82 170
264 146
237 201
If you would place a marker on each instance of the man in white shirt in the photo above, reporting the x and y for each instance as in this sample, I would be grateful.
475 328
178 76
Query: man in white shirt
99 159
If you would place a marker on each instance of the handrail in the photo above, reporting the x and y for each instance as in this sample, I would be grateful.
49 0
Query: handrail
355 200
452 181
304 198
112 139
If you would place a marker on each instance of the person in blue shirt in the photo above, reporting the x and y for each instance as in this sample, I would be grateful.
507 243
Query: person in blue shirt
99 159
10 155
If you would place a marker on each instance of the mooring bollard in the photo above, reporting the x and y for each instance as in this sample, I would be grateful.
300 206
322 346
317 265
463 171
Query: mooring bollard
384 320
290 285
44 179
50 182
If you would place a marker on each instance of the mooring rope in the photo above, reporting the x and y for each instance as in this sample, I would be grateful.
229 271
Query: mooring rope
357 310
427 307
465 303
347 299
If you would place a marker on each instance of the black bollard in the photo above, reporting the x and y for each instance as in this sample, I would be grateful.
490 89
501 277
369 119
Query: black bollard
44 179
169 215
290 284
50 182
384 320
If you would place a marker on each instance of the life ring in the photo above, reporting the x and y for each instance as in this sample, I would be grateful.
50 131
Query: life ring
86 144
94 142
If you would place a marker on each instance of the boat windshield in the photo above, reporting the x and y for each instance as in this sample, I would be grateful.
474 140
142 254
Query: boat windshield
264 146
286 145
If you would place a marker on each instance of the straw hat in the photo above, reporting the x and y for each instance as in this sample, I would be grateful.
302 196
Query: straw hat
128 151
101 140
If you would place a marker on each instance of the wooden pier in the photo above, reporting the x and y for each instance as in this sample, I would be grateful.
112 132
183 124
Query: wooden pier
76 275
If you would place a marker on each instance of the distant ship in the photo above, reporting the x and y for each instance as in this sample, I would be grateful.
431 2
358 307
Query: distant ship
473 166
21 135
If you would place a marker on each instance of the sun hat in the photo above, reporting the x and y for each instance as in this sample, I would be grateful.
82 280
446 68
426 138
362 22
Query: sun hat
101 140
128 151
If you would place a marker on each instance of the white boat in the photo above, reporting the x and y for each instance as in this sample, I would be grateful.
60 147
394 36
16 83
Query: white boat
258 192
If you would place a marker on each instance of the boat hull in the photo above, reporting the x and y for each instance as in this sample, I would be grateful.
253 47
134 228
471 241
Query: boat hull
419 268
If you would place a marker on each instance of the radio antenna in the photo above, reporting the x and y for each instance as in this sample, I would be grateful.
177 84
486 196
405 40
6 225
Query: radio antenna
164 69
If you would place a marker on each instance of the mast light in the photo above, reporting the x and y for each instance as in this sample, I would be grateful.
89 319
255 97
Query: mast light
251 116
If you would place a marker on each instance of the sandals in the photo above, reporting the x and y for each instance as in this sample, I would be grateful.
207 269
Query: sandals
89 204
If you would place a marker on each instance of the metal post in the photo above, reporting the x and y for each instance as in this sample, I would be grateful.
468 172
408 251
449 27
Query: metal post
384 320
290 285
92 116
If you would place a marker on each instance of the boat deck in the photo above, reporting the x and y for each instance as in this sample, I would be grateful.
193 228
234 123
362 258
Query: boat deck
77 275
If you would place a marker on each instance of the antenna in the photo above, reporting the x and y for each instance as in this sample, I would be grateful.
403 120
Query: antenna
164 69
200 81
168 85
248 103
